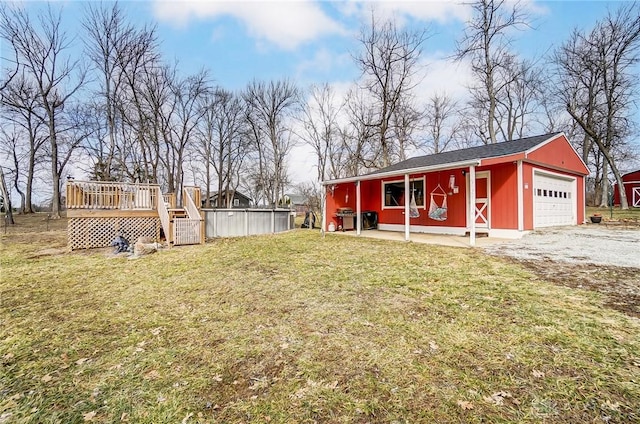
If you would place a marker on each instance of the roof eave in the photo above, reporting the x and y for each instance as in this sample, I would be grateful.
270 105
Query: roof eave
381 175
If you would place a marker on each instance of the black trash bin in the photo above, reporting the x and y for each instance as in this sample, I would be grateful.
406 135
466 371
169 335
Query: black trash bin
369 220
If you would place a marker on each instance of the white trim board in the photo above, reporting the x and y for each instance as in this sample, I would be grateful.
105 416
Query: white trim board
454 231
507 234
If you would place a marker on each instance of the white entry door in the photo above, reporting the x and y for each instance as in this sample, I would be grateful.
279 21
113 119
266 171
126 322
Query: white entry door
554 200
482 209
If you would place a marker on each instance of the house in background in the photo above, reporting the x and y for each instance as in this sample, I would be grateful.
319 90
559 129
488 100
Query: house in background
631 182
296 202
238 200
504 190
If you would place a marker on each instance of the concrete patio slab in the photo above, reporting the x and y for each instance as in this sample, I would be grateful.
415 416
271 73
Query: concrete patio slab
437 239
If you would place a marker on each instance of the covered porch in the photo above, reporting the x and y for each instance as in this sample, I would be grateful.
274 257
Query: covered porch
466 188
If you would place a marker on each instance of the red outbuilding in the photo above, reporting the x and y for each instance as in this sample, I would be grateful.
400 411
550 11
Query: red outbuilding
631 182
504 189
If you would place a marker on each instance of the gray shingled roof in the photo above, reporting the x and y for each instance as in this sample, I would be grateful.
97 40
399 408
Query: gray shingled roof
479 152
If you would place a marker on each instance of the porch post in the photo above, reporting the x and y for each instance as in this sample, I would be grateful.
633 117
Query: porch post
358 209
520 197
472 205
323 200
407 215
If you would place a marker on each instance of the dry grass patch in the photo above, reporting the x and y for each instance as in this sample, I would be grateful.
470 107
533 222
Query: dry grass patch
615 214
296 328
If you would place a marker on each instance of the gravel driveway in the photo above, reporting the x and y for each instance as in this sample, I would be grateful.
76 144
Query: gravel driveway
586 244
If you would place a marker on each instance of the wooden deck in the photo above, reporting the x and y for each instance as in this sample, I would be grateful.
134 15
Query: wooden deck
98 211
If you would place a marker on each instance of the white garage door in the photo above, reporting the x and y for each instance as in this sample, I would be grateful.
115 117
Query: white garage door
553 201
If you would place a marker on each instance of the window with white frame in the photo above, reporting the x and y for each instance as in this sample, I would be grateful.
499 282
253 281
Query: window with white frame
393 193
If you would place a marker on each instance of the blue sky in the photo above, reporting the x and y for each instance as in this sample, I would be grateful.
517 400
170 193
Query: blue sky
312 41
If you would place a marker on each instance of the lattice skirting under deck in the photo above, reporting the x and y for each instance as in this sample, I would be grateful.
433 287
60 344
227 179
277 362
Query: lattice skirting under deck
87 233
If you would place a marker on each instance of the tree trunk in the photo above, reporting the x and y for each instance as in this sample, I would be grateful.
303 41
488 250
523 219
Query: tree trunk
55 176
604 186
7 200
17 187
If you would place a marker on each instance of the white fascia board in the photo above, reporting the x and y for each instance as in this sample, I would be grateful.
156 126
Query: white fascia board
382 175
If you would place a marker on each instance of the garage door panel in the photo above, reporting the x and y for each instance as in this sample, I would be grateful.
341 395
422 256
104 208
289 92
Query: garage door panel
553 201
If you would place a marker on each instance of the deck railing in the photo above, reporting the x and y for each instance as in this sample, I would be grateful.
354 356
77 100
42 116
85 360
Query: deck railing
191 198
111 195
163 213
169 200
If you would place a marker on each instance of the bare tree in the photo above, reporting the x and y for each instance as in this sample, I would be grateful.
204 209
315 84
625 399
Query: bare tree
11 72
519 97
360 150
221 143
41 51
112 45
389 66
312 194
442 124
271 105
598 85
11 148
6 199
139 104
185 112
22 108
321 130
485 43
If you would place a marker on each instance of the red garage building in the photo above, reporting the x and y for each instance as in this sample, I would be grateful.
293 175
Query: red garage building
631 182
503 189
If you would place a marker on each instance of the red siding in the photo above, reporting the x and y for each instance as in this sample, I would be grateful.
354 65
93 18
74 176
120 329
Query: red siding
504 196
559 154
630 181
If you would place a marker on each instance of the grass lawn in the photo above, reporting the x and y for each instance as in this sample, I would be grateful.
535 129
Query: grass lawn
615 214
294 328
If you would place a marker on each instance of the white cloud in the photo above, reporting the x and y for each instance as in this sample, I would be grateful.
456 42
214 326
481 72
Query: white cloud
443 11
323 63
443 75
286 24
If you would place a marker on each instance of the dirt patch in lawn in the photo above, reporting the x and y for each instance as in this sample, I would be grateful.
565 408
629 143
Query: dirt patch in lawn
619 285
590 257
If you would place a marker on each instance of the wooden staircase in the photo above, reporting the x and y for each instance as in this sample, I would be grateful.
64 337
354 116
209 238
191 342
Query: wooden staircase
183 225
177 213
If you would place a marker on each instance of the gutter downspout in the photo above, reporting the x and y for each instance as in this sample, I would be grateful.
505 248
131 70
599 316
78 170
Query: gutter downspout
407 215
